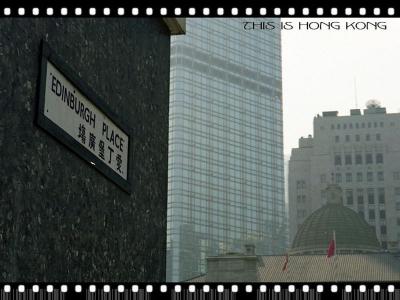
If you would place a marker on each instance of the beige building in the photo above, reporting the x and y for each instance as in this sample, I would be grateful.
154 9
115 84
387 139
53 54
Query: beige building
360 153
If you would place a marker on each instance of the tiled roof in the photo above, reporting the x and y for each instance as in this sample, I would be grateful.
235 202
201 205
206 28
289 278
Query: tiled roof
201 278
317 268
376 267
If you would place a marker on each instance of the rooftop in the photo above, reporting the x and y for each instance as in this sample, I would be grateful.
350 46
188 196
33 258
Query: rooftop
372 267
371 110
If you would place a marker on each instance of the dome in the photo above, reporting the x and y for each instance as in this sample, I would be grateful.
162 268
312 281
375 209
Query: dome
353 233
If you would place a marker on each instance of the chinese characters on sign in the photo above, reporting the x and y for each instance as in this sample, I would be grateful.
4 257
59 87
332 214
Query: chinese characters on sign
75 114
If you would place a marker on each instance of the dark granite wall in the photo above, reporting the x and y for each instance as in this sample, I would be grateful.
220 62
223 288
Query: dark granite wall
61 219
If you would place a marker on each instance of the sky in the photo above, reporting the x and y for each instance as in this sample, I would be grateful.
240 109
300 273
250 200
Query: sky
325 70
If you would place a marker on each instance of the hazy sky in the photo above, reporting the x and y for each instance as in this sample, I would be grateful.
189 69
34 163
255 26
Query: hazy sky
319 67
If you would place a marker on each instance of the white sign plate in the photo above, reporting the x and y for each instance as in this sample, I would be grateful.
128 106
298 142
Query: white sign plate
81 119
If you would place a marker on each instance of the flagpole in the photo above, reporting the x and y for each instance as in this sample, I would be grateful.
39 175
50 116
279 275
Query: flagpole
334 240
335 258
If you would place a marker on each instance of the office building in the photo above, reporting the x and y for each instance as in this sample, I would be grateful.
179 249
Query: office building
361 153
226 181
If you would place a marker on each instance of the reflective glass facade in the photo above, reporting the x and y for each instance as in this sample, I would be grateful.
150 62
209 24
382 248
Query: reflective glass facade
225 180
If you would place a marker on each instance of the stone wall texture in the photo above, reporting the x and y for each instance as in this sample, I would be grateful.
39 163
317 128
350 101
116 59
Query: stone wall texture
62 220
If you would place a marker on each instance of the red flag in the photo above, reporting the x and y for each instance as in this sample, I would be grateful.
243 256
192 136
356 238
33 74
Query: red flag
286 262
331 247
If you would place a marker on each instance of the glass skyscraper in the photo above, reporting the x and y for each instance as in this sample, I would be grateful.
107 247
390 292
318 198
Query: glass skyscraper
226 180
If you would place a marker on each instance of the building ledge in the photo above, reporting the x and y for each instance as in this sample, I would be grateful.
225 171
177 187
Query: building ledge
176 26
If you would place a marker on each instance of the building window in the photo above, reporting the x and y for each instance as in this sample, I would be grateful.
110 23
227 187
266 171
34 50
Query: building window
362 125
349 177
361 213
338 126
383 229
351 125
371 214
382 215
375 124
301 184
359 177
379 158
381 124
338 160
370 176
397 197
371 196
369 124
347 159
360 197
338 178
336 139
378 136
368 158
380 176
344 126
358 159
398 221
349 197
357 137
367 137
357 125
301 199
381 195
332 126
347 138
396 175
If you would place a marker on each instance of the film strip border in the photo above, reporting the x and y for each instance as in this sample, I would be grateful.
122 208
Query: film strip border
151 11
201 291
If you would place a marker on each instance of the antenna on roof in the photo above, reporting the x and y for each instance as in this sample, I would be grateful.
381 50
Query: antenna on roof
355 91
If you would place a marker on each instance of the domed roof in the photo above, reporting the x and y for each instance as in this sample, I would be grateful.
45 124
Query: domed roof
353 233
